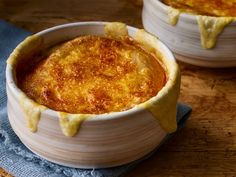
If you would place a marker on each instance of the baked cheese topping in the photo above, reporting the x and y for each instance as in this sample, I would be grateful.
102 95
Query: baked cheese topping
92 75
218 8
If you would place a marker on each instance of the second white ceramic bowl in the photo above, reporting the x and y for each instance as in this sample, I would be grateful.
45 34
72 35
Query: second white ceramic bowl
184 38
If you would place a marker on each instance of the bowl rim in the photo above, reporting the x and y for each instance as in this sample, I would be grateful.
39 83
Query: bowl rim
185 15
166 52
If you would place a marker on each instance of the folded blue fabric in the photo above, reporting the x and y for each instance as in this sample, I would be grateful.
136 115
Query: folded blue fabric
15 157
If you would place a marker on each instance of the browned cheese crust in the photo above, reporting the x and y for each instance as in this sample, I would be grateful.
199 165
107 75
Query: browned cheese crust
92 75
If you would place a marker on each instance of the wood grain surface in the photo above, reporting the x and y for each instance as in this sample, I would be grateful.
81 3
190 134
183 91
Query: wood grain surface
207 144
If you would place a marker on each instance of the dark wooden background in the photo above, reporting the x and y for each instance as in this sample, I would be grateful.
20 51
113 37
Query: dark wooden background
207 145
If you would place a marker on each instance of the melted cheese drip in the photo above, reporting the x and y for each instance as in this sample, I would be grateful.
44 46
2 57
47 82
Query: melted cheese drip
173 15
23 50
32 111
165 115
70 123
210 28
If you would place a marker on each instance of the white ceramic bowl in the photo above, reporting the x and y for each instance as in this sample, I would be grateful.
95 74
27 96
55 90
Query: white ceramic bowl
184 38
105 140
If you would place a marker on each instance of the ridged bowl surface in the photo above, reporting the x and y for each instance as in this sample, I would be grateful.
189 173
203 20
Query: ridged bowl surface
184 37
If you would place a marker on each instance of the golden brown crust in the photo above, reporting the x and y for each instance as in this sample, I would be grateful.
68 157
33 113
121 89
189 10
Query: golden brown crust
223 8
92 75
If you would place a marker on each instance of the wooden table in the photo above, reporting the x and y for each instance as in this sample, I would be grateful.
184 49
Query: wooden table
207 145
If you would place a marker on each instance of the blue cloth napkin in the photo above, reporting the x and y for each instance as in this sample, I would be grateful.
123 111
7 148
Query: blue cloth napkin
15 157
